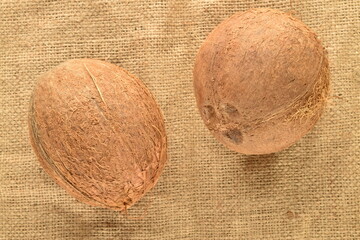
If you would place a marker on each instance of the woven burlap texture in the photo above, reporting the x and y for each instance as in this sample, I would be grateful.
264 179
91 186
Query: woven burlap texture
309 191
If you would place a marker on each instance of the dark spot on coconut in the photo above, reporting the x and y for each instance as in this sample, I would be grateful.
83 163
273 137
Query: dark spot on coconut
229 110
234 135
208 113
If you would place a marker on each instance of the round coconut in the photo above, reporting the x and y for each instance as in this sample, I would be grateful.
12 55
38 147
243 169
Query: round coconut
98 132
261 80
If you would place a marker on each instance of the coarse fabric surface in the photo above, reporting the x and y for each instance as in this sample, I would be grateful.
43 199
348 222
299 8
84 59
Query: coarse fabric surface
308 191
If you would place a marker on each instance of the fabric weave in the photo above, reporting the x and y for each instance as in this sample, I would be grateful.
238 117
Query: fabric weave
309 191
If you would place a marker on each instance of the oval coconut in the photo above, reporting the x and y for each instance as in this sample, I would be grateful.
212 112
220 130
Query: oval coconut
261 79
98 132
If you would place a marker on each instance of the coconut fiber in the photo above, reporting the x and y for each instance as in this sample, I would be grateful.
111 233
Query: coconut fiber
308 191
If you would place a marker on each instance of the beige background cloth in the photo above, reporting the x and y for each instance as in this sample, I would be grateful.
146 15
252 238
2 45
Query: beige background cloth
309 191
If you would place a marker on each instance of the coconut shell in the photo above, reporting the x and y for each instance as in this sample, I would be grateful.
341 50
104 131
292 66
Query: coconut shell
98 132
261 79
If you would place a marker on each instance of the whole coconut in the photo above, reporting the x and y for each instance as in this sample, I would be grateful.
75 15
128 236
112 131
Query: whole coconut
261 79
98 132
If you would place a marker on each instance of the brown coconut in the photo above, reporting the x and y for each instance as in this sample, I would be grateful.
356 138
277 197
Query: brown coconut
261 79
98 132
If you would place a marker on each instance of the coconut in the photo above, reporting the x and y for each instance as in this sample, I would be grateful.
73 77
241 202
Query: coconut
98 132
261 81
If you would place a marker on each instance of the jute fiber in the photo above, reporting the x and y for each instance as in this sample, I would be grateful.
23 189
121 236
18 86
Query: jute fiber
309 191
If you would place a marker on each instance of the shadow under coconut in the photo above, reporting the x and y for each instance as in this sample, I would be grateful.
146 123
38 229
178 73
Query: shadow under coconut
250 177
79 224
260 172
84 226
246 175
251 181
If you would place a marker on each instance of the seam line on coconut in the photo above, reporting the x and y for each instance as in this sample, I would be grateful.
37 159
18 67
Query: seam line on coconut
97 87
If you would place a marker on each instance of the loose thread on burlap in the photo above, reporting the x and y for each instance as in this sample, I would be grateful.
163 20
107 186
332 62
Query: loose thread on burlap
293 11
141 217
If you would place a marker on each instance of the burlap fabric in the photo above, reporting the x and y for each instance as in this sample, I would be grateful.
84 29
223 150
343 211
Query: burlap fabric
309 191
